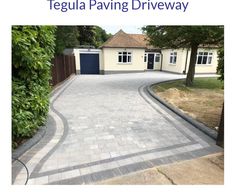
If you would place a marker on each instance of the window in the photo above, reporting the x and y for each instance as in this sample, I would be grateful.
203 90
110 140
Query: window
145 57
204 58
124 57
173 57
157 57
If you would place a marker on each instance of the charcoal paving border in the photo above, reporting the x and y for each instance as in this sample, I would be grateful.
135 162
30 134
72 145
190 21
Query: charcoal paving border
210 132
176 155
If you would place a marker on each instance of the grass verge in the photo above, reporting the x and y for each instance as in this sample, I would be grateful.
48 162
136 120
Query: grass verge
203 101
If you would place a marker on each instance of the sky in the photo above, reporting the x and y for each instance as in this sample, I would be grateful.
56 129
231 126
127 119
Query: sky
134 29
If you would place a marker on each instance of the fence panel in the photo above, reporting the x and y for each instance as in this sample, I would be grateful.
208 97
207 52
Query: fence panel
62 67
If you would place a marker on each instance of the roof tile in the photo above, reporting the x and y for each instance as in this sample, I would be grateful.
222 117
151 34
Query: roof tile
124 40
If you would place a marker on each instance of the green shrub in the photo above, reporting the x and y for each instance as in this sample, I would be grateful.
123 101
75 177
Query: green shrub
32 51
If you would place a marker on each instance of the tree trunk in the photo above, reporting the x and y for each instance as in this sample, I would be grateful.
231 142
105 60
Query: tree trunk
220 137
192 63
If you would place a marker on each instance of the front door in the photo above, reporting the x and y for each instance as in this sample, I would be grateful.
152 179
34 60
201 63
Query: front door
150 61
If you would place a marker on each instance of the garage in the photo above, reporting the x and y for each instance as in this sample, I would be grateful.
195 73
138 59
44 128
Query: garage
89 63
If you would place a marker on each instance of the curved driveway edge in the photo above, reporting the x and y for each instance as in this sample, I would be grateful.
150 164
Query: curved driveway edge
29 143
210 132
22 166
107 126
40 132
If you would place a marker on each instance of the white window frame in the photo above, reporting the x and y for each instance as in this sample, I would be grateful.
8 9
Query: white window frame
128 54
173 58
157 55
145 57
208 56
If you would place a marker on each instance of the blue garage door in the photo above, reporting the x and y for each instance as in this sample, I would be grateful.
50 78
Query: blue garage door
89 63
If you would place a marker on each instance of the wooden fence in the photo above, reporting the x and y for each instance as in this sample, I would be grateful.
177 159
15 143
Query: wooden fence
62 67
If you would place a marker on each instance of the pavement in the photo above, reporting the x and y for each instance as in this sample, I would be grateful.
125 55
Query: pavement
207 170
106 126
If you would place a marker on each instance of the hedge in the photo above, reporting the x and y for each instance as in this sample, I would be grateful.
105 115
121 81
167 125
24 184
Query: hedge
32 50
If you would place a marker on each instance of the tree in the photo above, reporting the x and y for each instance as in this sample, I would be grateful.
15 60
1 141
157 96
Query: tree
220 67
76 36
66 37
220 70
101 36
86 35
220 137
184 37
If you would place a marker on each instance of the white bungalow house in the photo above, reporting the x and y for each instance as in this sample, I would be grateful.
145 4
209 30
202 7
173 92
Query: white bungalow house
125 53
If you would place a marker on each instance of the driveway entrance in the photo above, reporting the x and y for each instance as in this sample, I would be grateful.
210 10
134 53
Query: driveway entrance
106 126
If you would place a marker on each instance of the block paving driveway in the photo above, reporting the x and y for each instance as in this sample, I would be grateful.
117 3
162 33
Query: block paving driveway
104 126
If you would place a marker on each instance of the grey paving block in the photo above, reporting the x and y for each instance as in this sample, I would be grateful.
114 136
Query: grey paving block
73 181
183 156
214 149
54 178
124 170
199 153
86 170
166 160
134 167
105 174
87 179
157 162
145 165
112 121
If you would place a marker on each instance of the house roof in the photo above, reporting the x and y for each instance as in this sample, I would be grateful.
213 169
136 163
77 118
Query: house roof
143 40
124 40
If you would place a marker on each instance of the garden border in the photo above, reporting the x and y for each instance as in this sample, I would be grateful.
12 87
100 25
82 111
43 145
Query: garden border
208 131
40 132
29 143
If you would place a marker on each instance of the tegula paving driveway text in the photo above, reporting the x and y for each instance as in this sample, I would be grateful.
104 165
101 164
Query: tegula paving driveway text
102 126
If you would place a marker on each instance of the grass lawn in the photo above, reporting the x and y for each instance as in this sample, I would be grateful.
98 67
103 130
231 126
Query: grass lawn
203 101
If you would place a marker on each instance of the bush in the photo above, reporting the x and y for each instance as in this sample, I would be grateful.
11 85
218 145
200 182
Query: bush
32 51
